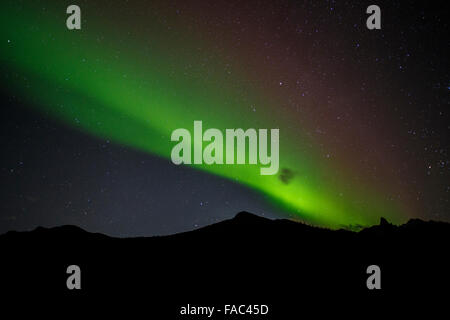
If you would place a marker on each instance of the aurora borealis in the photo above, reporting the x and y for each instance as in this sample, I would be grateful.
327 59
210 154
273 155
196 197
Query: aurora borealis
137 71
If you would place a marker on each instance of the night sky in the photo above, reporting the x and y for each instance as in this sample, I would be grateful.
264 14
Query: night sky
87 114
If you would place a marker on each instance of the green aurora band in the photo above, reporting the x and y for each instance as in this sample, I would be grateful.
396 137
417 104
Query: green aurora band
137 100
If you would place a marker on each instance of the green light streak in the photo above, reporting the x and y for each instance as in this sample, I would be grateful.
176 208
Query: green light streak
139 98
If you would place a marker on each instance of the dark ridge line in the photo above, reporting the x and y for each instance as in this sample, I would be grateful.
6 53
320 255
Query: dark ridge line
241 219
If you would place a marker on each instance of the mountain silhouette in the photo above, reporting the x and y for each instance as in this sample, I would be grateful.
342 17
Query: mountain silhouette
247 259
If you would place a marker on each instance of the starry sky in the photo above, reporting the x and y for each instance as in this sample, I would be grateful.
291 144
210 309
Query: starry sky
87 114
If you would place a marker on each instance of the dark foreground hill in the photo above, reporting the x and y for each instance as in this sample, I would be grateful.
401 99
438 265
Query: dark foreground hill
289 266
